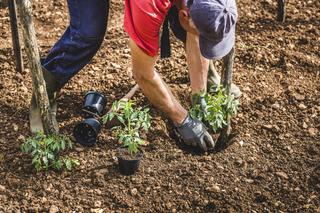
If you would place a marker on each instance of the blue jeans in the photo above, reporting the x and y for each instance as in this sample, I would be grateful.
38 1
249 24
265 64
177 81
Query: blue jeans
81 40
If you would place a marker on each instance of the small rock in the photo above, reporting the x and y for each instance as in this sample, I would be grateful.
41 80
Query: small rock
95 68
23 89
241 143
282 175
79 149
117 66
289 149
2 188
275 106
267 126
297 189
312 131
97 210
44 200
251 160
98 191
168 205
302 106
97 203
109 76
214 188
239 162
103 171
21 138
304 125
53 209
298 97
246 89
248 180
134 191
15 127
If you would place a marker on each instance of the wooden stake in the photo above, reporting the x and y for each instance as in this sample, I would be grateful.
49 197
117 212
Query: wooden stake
226 79
15 36
129 95
281 11
31 46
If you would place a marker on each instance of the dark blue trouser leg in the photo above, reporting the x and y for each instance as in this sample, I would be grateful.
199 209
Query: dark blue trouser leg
81 40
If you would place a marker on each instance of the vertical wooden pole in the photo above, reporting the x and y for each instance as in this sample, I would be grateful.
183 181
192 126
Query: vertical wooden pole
226 79
281 11
15 36
31 46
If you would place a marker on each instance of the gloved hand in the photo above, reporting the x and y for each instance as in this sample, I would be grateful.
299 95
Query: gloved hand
193 132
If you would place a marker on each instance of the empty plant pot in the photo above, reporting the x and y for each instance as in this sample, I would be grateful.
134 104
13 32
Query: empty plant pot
128 165
86 132
94 102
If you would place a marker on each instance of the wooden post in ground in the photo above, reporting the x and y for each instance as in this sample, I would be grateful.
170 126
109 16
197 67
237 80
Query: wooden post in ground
15 36
226 78
281 16
31 46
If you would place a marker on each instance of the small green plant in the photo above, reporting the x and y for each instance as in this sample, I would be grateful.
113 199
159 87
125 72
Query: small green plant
133 121
45 151
219 108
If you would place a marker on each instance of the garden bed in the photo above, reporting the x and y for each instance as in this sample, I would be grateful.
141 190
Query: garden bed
272 163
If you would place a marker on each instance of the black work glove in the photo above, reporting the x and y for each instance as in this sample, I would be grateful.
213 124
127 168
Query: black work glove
193 132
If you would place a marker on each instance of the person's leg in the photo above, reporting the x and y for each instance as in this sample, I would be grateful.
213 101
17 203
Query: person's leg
153 87
81 40
79 43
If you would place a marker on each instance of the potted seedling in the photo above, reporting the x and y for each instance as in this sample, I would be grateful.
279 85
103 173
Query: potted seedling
132 123
219 107
46 152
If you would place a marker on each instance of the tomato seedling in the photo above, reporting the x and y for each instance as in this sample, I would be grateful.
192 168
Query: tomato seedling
133 121
46 151
219 107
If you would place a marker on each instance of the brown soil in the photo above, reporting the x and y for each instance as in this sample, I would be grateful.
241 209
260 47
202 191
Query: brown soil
273 164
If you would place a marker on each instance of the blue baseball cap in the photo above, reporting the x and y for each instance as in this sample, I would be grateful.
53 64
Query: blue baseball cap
216 23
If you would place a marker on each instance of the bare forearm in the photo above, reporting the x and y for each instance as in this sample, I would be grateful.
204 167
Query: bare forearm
160 96
197 64
153 87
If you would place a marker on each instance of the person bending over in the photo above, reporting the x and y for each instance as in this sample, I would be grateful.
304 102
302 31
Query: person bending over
210 34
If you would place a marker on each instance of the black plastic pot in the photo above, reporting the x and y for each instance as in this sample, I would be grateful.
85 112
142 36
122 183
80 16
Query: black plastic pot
86 132
128 166
95 103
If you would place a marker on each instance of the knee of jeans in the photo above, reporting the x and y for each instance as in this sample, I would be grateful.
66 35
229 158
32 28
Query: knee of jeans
93 39
92 34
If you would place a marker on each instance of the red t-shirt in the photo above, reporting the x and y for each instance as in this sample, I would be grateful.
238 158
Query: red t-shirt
143 20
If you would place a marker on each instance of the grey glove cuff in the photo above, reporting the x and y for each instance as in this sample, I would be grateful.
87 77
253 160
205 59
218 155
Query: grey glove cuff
191 129
193 132
186 120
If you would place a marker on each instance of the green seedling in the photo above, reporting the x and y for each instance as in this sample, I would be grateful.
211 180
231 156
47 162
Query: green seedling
46 152
133 121
219 107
